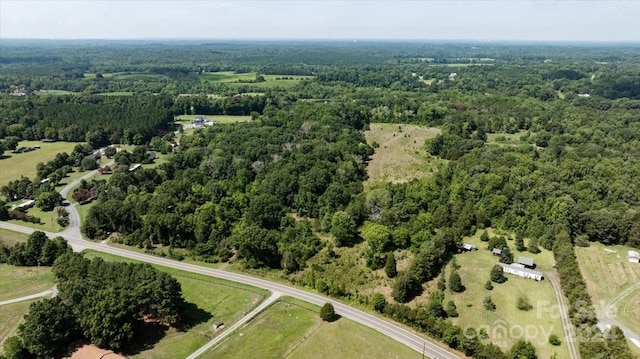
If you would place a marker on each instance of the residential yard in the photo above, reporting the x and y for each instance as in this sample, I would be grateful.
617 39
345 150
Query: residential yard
10 317
401 155
291 329
9 238
48 220
210 301
14 165
609 275
507 323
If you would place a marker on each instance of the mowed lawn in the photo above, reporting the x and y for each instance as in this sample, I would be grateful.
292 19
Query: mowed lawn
507 323
17 282
10 317
401 155
14 165
211 301
47 223
290 329
609 275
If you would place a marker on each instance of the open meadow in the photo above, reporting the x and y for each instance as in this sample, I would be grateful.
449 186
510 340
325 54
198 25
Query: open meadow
9 238
17 282
210 301
290 329
507 323
248 79
14 165
10 317
401 155
612 280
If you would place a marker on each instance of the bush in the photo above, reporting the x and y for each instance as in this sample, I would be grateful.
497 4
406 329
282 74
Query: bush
554 340
327 313
523 303
497 274
489 304
488 285
378 302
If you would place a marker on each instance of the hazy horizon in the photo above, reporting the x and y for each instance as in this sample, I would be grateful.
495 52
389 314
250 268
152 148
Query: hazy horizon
579 21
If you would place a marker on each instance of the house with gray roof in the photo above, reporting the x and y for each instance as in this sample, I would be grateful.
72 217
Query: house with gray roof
521 271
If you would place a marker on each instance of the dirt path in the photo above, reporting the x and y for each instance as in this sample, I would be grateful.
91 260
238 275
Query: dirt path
569 336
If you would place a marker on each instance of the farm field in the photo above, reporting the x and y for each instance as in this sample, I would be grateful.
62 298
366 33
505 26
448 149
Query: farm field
10 317
14 165
9 238
246 80
507 323
211 301
401 155
132 76
611 277
294 330
16 282
55 92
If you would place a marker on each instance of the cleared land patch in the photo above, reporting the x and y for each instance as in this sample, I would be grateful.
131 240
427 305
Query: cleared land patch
401 155
188 119
291 329
608 273
14 165
17 282
512 139
507 323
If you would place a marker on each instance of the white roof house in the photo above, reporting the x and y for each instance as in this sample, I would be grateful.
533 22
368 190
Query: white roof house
521 271
634 256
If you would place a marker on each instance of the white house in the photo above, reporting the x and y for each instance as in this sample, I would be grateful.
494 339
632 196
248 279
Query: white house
521 271
634 257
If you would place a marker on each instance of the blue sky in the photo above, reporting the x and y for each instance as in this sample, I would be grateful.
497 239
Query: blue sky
537 20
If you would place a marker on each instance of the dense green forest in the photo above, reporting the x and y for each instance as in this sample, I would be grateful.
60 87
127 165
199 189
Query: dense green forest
287 186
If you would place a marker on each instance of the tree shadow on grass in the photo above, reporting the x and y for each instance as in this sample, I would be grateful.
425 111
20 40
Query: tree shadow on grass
192 315
149 333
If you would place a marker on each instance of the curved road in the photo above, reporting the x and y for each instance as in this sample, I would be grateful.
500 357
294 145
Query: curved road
402 335
608 316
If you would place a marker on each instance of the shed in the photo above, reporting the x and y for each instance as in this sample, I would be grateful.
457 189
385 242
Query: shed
634 257
469 247
496 251
527 262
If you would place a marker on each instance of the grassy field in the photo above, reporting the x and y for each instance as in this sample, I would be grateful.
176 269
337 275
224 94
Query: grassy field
512 139
290 329
213 301
243 80
401 156
117 93
13 165
132 76
608 274
10 316
188 119
55 92
507 323
10 238
17 282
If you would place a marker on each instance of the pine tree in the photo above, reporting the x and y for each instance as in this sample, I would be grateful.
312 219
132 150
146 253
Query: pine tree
455 282
497 274
327 313
390 266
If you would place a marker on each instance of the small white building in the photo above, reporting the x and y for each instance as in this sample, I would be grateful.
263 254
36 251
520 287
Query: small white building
469 247
26 204
452 76
634 257
521 271
135 167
